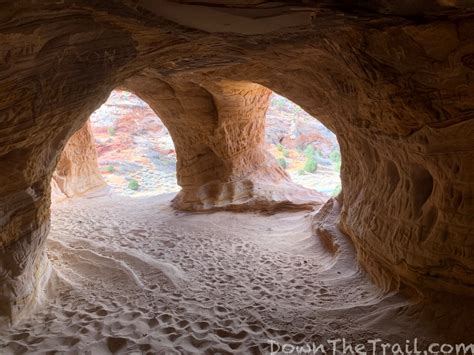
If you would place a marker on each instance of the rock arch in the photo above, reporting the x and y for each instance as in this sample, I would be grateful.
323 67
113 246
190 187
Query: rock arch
218 131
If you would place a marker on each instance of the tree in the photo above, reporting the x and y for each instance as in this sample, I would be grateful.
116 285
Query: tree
133 184
311 165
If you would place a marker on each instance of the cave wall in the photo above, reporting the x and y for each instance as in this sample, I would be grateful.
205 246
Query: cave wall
53 76
400 101
77 171
397 90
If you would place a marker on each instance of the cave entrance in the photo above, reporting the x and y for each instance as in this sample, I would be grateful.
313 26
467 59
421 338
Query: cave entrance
303 146
129 149
135 152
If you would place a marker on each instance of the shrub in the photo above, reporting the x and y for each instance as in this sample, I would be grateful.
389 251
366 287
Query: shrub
301 172
282 162
310 165
133 184
111 131
335 158
309 151
110 168
281 148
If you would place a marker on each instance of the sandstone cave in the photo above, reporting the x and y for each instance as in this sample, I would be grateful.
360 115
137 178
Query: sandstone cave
241 260
135 153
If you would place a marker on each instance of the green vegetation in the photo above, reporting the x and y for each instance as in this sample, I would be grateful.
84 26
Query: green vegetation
111 131
282 162
110 168
280 102
281 148
336 190
133 185
283 104
301 172
335 158
309 151
311 165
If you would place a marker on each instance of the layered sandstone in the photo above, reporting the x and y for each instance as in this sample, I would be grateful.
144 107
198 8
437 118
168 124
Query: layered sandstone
218 133
396 89
77 171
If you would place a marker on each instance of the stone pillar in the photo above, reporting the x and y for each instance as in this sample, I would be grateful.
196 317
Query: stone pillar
218 132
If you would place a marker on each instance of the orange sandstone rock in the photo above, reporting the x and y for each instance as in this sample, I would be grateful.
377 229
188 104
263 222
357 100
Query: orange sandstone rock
393 80
77 171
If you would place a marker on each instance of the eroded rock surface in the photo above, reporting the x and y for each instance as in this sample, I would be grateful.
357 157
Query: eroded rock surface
218 132
396 89
77 171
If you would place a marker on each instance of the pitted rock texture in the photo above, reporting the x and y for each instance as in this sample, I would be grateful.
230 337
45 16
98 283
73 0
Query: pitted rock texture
396 89
77 171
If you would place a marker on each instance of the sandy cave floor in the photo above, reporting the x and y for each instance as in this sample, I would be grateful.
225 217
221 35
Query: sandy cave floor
135 275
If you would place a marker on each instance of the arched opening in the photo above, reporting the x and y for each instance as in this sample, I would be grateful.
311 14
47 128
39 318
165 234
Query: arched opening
182 279
123 146
135 152
303 146
149 270
136 156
